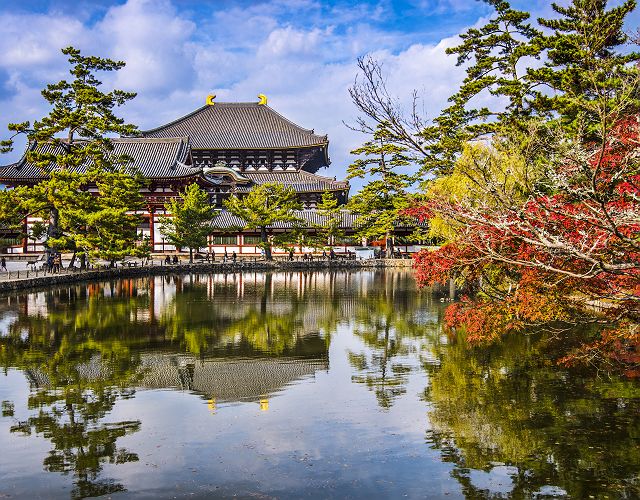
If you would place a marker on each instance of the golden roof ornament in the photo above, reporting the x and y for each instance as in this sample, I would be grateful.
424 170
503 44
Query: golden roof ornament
210 99
263 99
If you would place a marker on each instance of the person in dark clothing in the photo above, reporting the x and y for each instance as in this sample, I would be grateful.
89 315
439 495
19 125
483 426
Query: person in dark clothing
291 254
3 264
234 257
332 254
167 260
175 259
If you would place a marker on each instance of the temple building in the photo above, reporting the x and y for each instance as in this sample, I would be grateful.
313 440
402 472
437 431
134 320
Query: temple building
227 148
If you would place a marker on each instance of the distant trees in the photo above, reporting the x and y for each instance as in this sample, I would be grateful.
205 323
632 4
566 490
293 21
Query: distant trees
71 147
190 222
330 228
265 205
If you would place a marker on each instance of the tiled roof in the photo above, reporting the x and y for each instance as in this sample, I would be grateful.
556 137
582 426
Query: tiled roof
310 219
301 181
241 379
238 125
226 379
156 158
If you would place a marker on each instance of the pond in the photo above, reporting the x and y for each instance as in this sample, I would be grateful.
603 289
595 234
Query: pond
294 385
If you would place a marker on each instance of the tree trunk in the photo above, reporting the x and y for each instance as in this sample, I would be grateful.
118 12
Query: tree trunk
53 231
265 241
389 245
83 261
190 255
73 259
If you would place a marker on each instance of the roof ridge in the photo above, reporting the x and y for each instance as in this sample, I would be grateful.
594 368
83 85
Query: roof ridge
151 140
309 130
201 108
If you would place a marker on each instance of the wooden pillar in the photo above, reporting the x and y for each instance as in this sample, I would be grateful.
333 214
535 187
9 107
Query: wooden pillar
151 228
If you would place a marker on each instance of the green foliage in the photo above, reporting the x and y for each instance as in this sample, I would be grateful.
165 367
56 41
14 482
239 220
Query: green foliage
585 76
190 221
265 205
330 228
107 228
380 201
70 146
584 69
495 54
484 176
12 209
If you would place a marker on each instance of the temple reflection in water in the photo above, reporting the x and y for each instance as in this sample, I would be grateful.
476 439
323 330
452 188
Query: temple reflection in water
235 337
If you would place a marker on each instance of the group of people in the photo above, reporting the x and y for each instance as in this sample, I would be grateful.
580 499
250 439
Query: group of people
309 256
54 262
397 254
208 257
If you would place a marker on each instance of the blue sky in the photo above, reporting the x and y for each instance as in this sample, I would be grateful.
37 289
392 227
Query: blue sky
300 53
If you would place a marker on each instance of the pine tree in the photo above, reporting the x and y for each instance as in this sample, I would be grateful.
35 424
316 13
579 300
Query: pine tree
495 53
330 228
379 202
70 145
190 221
263 206
585 68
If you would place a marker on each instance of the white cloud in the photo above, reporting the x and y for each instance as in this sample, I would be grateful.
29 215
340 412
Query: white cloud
32 41
287 41
153 39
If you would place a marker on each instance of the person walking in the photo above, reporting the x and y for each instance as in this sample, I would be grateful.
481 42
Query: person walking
291 254
3 264
213 255
234 257
225 257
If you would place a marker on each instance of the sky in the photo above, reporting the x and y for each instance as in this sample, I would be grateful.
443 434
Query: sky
301 53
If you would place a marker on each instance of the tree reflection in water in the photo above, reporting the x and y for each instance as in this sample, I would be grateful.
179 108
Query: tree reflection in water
388 321
507 408
78 367
499 410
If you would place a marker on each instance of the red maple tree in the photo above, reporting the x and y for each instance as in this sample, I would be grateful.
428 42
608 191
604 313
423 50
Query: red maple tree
570 251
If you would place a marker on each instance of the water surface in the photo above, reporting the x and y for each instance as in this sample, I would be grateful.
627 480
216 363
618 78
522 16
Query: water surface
294 385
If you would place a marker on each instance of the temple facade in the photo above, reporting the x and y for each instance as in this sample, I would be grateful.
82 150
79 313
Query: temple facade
226 148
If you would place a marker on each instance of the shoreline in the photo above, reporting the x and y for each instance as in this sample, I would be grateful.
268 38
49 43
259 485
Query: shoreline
52 280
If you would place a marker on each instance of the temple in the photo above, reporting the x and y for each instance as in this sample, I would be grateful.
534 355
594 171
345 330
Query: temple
226 148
